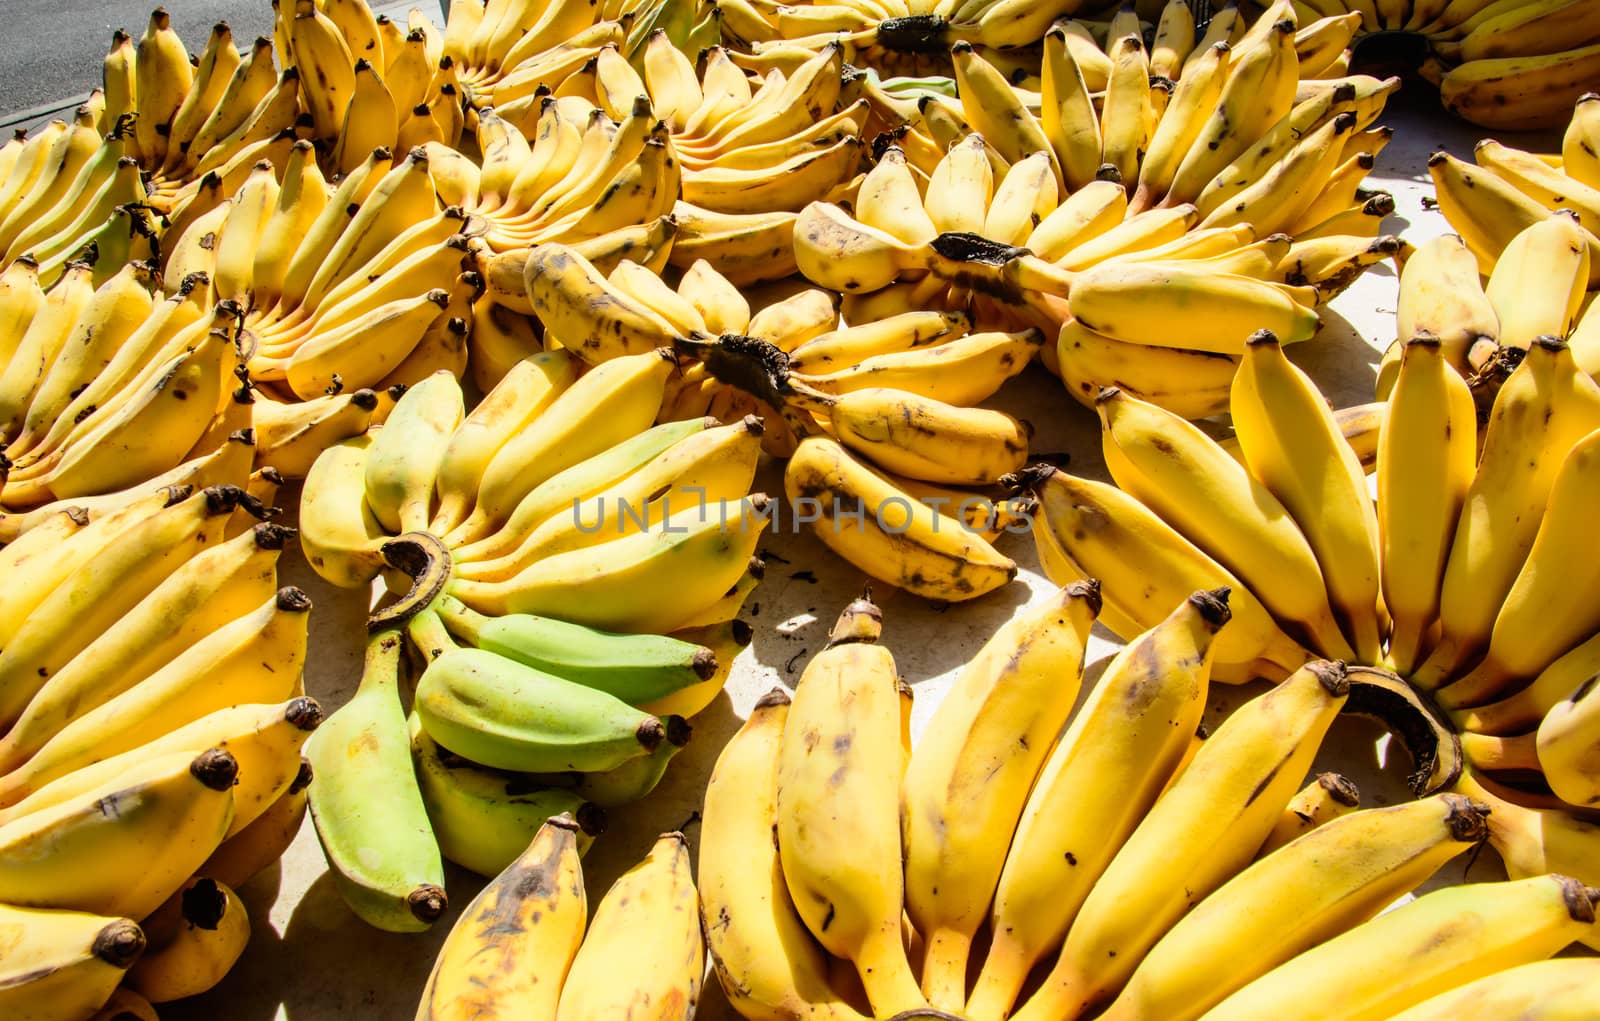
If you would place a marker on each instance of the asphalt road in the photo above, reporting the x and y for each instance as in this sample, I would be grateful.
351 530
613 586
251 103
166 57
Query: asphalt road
54 47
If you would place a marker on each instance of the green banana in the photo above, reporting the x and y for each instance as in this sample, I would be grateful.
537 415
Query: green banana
366 804
503 714
630 781
635 668
485 818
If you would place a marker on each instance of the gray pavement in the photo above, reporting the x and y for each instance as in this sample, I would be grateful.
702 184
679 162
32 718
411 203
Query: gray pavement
54 47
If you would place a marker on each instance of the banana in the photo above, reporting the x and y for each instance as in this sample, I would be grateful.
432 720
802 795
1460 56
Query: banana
767 962
1126 108
865 518
1442 940
1223 806
403 461
292 436
111 317
1197 92
624 578
837 809
366 805
634 668
214 70
1181 474
1487 211
126 846
1089 529
581 481
483 818
330 80
1293 446
1580 142
506 715
1053 861
634 779
1566 749
1543 615
243 108
213 587
617 399
587 312
1541 991
1441 293
1520 92
525 391
210 939
165 413
39 347
968 777
1327 797
964 371
1276 201
63 963
68 155
891 201
126 1005
488 968
924 438
648 922
1361 862
338 531
1546 396
1138 302
1421 489
836 251
1538 283
162 80
744 247
1190 384
842 348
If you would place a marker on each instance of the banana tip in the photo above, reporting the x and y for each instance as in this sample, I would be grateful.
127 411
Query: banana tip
427 903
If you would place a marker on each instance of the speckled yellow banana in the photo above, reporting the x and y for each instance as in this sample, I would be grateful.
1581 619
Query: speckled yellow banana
649 924
761 951
838 796
489 969
203 948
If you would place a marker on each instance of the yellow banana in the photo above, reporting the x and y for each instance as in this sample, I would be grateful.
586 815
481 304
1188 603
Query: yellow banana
838 796
63 963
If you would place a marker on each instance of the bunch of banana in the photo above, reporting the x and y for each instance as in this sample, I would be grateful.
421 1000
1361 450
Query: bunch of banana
153 716
1514 66
1466 577
602 173
1017 837
526 947
108 392
510 54
360 286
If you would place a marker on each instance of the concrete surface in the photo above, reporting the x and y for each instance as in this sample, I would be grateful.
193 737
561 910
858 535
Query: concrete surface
311 960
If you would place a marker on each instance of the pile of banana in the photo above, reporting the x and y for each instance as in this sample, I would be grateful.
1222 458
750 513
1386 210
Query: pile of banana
1513 64
1018 839
1101 217
526 946
151 698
